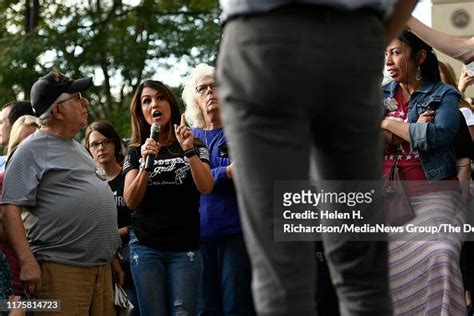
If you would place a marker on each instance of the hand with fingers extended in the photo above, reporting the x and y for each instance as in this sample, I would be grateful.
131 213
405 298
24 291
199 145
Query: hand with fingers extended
30 275
184 135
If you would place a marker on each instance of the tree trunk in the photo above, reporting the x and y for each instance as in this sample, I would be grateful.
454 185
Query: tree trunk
108 94
27 16
35 14
32 9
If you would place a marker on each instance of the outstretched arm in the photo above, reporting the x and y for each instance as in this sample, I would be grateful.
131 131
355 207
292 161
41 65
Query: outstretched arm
397 21
460 48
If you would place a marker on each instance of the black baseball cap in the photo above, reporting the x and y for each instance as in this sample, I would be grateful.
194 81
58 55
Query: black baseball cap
48 88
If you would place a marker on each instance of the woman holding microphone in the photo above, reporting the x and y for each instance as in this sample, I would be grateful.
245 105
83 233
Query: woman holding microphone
165 258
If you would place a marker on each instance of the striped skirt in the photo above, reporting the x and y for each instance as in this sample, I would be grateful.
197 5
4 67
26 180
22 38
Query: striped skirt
425 275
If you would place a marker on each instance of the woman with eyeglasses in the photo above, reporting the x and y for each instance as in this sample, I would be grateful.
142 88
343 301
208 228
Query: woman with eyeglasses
164 240
104 144
226 281
420 124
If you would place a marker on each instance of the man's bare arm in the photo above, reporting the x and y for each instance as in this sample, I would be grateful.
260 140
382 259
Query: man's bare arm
460 48
401 14
30 271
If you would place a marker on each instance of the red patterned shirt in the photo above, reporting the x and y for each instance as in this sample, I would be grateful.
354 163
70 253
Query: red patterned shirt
408 158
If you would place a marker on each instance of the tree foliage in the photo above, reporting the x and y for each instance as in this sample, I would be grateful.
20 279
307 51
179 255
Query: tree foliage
118 43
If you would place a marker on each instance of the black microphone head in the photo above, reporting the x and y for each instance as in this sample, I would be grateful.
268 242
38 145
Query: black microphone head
155 131
155 128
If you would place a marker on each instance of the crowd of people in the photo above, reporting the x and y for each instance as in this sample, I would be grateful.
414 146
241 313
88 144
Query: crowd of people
181 218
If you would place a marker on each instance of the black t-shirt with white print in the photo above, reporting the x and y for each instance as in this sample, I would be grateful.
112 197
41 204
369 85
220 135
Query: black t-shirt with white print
124 214
168 217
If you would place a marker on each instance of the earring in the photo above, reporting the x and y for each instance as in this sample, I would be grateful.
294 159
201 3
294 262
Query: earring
418 76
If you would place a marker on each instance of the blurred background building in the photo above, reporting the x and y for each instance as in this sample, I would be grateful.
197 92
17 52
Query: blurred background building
454 17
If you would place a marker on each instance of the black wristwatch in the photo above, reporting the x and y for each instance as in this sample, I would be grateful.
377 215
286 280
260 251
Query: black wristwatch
191 152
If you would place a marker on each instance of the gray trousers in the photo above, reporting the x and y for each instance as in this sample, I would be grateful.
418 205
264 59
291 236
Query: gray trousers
296 84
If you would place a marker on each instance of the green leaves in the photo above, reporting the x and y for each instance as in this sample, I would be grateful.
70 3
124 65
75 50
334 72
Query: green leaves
117 43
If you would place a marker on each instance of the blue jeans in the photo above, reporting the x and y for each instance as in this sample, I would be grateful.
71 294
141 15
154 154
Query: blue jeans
225 288
128 286
167 283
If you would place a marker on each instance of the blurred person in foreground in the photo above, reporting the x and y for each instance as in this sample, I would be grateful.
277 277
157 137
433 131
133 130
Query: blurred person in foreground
225 288
279 69
66 247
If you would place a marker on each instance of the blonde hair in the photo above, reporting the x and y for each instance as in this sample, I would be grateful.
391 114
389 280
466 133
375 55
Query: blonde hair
17 130
193 112
448 73
450 78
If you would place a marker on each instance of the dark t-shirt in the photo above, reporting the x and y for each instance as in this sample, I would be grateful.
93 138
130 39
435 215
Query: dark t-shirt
462 142
124 214
168 217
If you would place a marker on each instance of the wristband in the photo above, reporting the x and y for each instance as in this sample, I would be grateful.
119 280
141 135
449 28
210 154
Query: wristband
191 152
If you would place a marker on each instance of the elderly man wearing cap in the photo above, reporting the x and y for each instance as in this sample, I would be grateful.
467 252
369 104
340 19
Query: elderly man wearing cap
67 244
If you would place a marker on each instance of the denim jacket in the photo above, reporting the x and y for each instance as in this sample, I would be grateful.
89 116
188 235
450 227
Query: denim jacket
432 140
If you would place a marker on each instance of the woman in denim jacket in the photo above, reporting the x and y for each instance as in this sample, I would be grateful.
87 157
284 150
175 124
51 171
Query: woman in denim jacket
421 119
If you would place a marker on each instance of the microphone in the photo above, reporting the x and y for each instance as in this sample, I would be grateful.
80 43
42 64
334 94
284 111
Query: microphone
154 134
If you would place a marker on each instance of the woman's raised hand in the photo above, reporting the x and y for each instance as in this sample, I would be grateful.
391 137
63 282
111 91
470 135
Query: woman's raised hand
184 135
464 80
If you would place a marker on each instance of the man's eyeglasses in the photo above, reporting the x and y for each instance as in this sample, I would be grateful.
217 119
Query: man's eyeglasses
105 142
77 95
201 89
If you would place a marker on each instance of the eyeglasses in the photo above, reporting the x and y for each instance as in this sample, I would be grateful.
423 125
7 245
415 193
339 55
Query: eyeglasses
105 142
77 95
201 89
